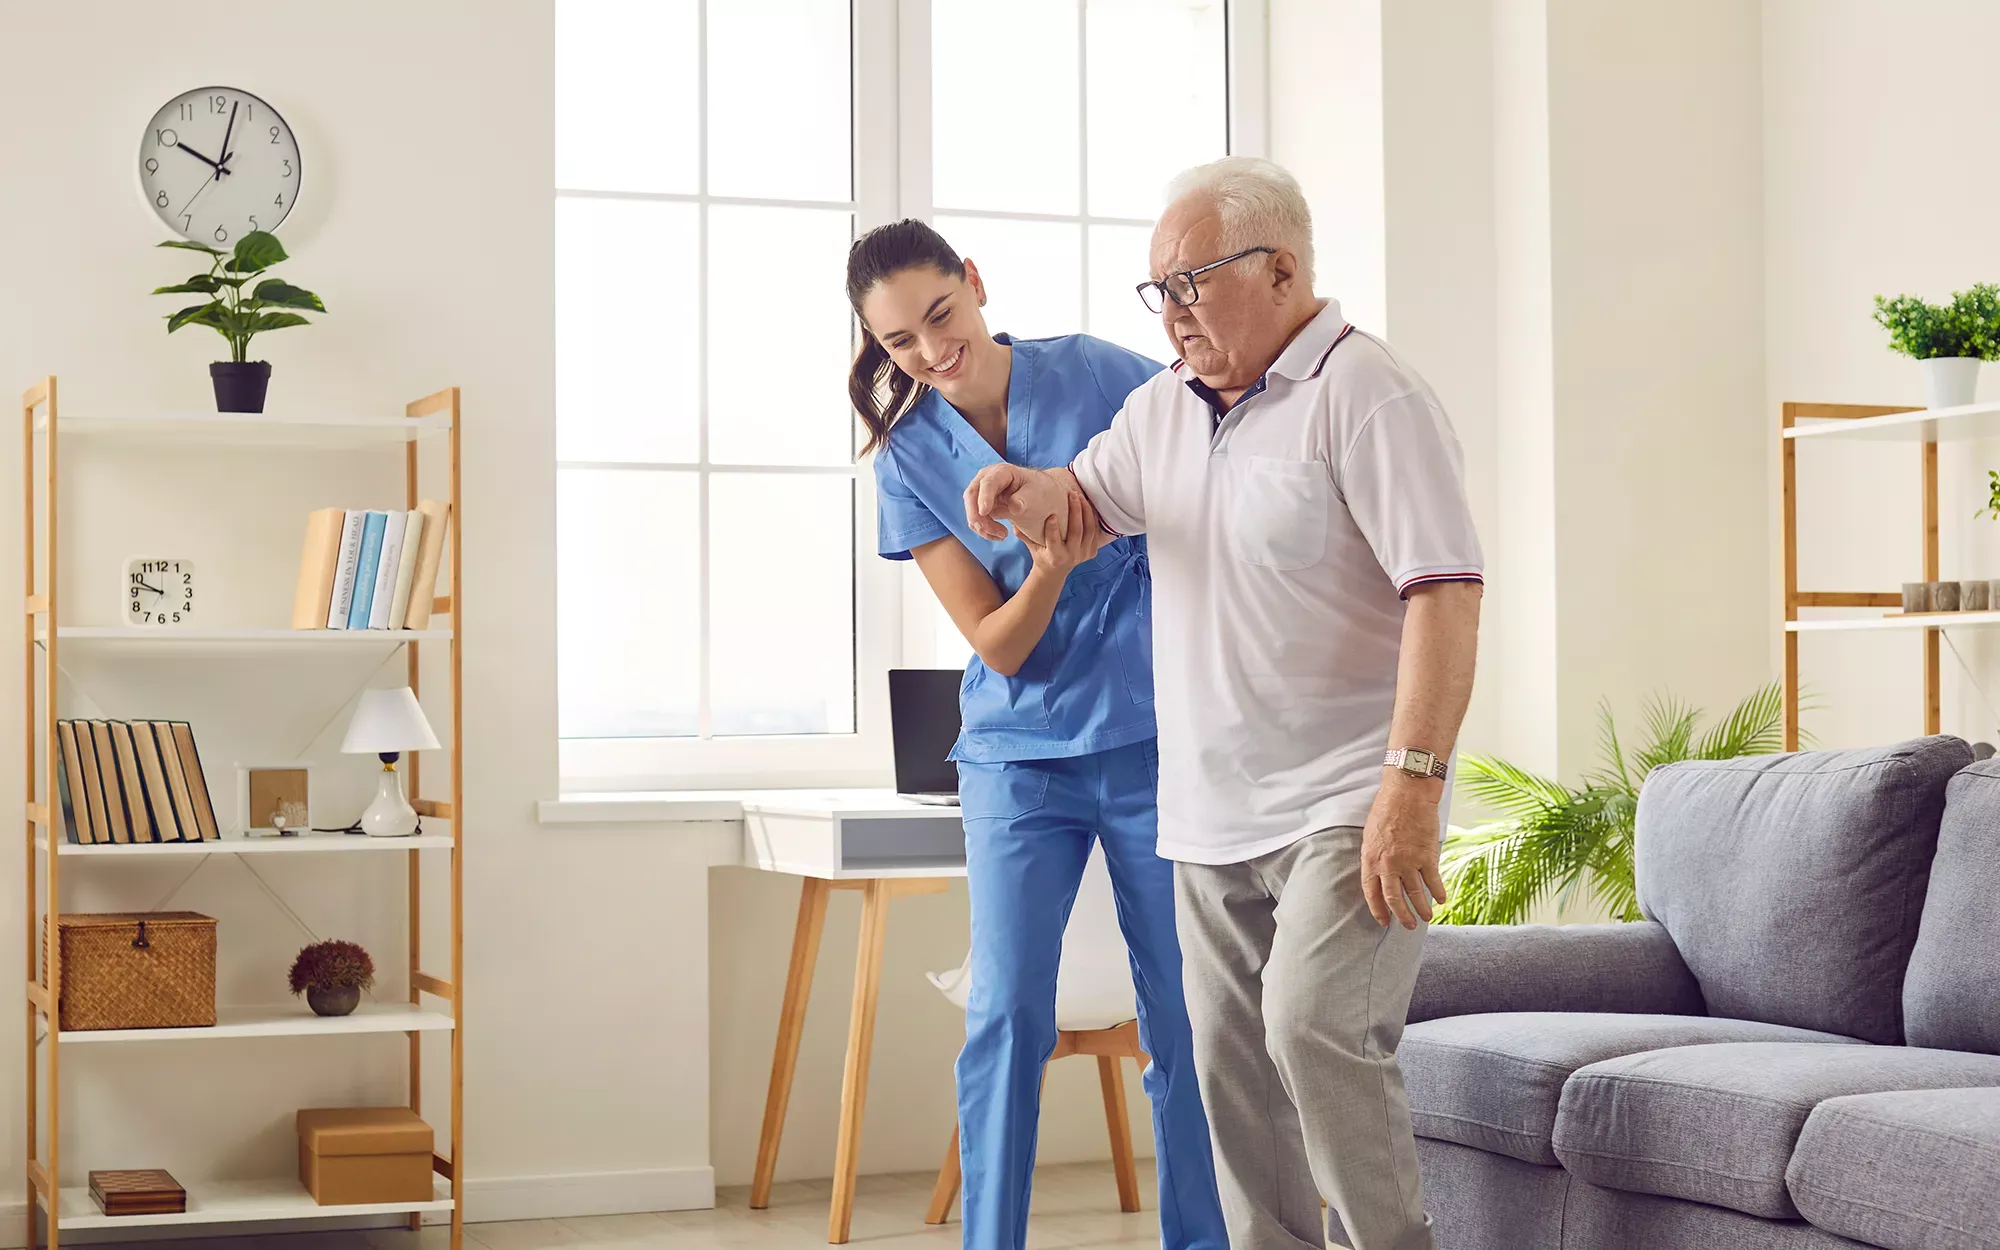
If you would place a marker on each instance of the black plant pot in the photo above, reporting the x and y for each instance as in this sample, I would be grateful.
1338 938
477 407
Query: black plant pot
332 1002
240 387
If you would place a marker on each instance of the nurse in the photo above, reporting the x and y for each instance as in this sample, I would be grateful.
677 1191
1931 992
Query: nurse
1057 706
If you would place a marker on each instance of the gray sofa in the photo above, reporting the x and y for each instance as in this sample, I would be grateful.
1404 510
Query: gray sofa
1798 1049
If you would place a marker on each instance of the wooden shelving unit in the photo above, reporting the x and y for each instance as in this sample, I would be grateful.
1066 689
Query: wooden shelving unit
1923 428
435 1002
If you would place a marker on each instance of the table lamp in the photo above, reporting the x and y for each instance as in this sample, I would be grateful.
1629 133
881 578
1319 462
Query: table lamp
387 722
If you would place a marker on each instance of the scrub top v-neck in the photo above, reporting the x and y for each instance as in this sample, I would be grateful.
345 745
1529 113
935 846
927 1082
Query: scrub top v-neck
1088 684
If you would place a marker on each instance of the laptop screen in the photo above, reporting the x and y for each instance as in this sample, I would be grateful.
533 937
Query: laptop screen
923 720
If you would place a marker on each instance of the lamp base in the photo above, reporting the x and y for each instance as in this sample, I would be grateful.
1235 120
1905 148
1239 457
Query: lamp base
390 815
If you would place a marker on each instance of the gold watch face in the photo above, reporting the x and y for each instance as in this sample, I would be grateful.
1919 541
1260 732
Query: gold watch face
1417 762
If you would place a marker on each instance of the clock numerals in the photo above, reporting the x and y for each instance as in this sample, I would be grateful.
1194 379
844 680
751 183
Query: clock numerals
221 235
187 110
288 169
152 165
166 138
218 104
161 199
217 189
275 131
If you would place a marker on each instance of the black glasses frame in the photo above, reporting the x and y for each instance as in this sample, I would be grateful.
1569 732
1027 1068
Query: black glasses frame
1154 295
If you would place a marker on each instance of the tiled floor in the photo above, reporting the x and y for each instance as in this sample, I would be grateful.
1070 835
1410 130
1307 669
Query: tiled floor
1074 1206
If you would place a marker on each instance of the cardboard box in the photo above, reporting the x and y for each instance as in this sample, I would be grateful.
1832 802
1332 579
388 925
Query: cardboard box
355 1155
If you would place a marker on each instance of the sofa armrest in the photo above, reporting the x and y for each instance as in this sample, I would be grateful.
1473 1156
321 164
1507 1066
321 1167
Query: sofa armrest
1472 969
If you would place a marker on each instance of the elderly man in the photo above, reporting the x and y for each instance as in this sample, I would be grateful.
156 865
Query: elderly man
1315 612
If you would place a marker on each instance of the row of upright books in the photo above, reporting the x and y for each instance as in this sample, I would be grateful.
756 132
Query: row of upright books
132 781
364 569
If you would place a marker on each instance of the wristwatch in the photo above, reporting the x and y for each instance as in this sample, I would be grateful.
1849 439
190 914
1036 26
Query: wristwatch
1417 763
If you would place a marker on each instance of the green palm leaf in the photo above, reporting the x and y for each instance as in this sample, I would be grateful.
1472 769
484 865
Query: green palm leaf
1506 788
1755 726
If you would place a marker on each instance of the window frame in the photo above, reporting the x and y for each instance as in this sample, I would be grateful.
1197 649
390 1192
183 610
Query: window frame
890 67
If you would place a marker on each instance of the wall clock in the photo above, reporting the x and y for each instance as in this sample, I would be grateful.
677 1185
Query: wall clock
216 163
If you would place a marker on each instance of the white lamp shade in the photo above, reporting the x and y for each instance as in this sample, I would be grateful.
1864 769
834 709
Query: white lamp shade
388 720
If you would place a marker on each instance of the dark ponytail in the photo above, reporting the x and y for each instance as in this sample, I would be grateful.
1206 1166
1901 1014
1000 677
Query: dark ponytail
880 392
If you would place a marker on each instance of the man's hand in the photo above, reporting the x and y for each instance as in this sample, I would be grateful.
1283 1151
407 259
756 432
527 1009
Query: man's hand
1399 851
1030 498
1056 554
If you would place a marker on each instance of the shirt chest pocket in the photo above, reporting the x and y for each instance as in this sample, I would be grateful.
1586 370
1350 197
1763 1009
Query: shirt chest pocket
1278 511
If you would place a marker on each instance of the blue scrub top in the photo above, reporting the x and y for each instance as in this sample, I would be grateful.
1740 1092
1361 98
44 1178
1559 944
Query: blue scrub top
1088 684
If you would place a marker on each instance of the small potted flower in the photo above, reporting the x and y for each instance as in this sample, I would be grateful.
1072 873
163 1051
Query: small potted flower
332 975
1948 341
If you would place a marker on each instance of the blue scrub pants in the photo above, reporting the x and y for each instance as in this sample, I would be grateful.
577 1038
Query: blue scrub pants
1028 830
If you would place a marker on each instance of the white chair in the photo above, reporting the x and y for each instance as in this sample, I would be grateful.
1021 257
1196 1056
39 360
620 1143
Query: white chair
1095 1015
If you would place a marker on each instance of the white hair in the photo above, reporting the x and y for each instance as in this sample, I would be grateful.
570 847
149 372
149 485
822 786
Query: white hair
1260 204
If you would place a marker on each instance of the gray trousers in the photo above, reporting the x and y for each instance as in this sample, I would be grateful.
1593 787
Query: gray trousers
1298 1000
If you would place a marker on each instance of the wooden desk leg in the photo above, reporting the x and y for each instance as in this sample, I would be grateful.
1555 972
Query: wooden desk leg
860 1044
791 1024
946 1188
1122 1165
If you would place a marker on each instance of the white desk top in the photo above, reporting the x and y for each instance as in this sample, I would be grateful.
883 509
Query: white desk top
670 806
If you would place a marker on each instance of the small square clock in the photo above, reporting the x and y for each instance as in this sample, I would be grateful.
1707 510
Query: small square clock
158 593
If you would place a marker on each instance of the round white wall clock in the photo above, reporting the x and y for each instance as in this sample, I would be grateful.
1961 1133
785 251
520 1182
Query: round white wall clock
216 163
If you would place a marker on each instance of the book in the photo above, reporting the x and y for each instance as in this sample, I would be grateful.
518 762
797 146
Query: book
406 568
115 803
386 568
69 783
423 585
136 804
351 526
93 783
204 807
364 570
318 565
159 795
177 780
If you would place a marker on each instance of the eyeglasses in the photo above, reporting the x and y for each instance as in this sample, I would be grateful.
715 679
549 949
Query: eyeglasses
1181 288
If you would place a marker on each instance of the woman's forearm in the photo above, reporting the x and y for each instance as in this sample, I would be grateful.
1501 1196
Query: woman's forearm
1009 632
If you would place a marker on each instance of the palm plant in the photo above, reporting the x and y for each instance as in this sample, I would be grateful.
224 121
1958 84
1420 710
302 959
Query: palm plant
1555 840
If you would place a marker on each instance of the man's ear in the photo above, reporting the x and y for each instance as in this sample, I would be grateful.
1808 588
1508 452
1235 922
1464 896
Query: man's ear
1284 275
978 283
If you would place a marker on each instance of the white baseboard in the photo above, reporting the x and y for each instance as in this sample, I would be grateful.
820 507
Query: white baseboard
498 1199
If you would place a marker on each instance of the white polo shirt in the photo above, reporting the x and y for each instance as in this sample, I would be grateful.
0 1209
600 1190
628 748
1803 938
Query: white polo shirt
1282 540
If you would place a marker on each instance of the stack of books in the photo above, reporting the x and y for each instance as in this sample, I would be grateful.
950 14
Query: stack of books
363 569
132 781
141 1191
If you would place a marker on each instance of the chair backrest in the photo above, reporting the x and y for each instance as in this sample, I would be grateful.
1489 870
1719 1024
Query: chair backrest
1792 883
1094 979
1951 998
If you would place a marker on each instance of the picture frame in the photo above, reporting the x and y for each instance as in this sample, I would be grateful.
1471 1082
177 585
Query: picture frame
265 790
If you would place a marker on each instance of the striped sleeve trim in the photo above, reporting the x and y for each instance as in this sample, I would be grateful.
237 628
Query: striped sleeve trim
1071 466
1434 579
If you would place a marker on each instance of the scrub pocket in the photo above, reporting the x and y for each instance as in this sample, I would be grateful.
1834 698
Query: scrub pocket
1000 791
1278 511
986 700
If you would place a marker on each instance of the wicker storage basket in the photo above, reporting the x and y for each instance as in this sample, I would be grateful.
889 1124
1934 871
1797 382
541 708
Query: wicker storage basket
136 970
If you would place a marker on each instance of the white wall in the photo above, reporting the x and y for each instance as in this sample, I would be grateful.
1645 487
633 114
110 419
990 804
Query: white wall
1865 198
427 228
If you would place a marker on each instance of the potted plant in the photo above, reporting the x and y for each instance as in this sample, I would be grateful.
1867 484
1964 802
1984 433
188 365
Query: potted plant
1948 341
1556 840
332 975
240 382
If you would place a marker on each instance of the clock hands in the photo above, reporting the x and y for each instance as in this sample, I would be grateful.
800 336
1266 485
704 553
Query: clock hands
219 170
229 130
155 590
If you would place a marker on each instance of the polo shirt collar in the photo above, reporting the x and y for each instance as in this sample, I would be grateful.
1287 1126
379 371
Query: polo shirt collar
1302 358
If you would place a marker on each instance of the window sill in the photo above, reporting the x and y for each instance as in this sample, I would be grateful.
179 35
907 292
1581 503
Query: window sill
641 807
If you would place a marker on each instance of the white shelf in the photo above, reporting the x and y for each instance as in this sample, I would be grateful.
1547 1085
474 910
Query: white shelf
252 429
1932 620
304 844
1929 425
170 638
236 1203
286 1020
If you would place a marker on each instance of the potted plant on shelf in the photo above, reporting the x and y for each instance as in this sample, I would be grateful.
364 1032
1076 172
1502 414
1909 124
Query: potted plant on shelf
332 975
271 305
1948 341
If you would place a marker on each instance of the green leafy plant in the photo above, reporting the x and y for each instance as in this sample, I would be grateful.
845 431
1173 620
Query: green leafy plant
1555 840
229 312
1992 508
332 965
1969 326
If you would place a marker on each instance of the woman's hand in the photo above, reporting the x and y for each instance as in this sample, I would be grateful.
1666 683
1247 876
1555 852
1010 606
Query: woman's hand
1057 554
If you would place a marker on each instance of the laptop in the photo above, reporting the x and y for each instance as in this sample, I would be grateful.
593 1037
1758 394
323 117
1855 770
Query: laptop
923 721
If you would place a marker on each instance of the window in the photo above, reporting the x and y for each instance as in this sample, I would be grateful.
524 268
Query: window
721 616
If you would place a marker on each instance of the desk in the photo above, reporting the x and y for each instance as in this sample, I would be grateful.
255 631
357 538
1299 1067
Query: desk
885 847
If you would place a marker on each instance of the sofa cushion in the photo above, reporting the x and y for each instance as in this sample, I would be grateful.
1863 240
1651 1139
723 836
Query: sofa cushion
1717 1124
1494 1081
1951 998
1792 884
1915 1170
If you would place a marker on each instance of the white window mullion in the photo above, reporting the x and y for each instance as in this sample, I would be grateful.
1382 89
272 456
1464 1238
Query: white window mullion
1083 160
705 699
1247 26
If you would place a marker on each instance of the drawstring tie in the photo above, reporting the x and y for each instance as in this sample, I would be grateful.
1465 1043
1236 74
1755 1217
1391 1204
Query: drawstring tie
1133 571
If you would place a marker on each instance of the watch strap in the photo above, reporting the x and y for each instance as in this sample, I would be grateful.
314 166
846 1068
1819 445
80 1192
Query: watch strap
1401 759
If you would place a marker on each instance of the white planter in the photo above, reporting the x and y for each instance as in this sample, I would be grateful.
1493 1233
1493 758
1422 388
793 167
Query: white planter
1949 380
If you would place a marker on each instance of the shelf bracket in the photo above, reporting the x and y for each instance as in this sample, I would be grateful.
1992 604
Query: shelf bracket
38 1180
38 994
443 1167
429 984
434 808
38 813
